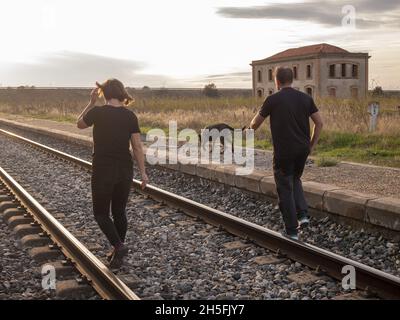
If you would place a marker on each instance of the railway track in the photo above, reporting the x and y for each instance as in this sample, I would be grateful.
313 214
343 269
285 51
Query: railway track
372 280
20 206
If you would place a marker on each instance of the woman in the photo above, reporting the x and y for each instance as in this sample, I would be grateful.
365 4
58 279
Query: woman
114 127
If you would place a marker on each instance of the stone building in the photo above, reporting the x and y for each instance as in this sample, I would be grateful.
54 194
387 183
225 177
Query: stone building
320 70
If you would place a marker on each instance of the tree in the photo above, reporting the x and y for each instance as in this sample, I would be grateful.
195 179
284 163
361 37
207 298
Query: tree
210 90
377 92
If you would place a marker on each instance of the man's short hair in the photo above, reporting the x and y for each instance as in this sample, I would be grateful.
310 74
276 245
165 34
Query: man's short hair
284 75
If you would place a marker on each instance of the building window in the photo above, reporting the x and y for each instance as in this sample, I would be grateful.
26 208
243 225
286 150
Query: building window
355 71
271 91
343 70
309 71
295 73
332 71
259 93
259 76
270 77
354 92
309 91
332 92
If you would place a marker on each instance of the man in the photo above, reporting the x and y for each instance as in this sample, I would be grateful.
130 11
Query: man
289 112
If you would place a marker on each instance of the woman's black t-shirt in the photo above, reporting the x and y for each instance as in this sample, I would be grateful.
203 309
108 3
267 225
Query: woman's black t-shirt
113 127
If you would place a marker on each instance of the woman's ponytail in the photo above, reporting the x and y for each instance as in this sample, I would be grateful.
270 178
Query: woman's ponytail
114 89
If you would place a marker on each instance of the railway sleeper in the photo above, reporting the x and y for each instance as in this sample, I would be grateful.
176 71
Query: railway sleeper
62 271
4 205
4 196
72 288
25 229
45 254
35 240
18 220
13 212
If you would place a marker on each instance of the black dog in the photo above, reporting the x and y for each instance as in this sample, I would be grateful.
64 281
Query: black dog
204 136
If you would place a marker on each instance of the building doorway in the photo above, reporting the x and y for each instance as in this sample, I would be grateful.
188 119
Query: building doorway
354 93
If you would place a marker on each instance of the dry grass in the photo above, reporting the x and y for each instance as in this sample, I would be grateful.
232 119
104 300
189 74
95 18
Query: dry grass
348 116
351 116
346 121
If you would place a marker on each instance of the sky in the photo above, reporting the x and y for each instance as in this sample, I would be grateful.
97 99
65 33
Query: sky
184 43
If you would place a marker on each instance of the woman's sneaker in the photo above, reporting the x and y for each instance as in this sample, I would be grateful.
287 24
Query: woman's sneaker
117 258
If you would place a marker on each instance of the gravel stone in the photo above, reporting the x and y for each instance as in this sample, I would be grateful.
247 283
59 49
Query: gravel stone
166 253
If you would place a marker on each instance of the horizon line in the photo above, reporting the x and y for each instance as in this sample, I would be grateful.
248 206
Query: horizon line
136 88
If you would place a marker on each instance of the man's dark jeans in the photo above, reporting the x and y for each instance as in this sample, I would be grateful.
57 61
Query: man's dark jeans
111 183
292 204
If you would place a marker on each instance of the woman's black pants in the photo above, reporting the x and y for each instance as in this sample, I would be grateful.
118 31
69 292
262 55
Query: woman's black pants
111 183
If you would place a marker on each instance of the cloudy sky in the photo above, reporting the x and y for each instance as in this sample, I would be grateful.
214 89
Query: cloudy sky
183 43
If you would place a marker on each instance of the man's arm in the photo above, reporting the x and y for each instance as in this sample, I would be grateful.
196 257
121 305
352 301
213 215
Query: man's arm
264 112
318 124
138 153
256 122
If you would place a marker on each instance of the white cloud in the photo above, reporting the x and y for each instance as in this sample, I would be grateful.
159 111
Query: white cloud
177 42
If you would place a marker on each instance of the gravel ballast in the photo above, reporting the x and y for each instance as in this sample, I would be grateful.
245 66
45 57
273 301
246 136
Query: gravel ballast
366 246
20 276
172 256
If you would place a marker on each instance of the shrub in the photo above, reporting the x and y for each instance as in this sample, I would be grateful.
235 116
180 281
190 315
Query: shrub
377 92
210 90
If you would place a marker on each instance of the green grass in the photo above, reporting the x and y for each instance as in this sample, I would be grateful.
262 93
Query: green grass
333 147
263 144
326 162
365 148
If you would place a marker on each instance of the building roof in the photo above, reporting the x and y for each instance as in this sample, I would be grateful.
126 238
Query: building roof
313 49
316 49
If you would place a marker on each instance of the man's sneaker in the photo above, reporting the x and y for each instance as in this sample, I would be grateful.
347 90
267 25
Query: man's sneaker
118 257
294 237
304 222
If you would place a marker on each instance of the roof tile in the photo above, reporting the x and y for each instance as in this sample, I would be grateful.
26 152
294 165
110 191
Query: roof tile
307 50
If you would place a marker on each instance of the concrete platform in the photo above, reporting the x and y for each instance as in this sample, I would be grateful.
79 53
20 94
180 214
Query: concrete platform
377 210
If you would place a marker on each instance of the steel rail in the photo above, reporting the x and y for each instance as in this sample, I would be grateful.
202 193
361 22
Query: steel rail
367 278
98 275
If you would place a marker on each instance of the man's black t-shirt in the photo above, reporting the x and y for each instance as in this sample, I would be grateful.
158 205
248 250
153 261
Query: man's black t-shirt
113 127
289 111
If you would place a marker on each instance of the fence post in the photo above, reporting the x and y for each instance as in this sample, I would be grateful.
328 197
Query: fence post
373 110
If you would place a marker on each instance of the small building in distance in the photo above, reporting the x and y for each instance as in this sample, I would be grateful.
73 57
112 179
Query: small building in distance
320 70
